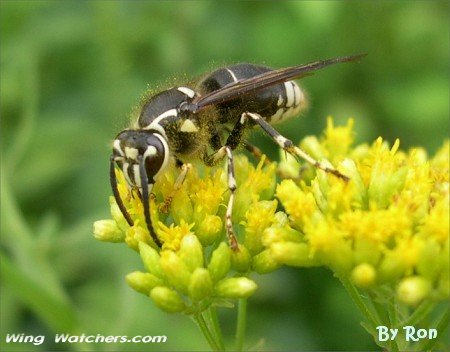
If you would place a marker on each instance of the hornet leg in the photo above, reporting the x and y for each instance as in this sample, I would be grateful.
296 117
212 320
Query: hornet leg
211 160
185 168
288 146
252 149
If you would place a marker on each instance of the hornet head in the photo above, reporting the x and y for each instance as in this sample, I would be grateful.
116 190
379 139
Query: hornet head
136 149
141 155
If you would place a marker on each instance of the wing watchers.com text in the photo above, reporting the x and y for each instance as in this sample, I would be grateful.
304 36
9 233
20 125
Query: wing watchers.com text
83 338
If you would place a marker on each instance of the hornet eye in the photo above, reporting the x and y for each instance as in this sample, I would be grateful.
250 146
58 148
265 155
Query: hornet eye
155 156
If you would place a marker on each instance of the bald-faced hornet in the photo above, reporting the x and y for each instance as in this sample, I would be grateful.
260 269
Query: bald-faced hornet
186 121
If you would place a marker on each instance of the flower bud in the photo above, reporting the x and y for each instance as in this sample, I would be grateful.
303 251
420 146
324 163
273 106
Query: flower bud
280 219
363 275
143 282
108 231
175 270
291 253
387 178
135 235
236 287
259 216
264 262
413 290
349 169
200 284
276 234
208 229
150 258
167 299
240 260
384 184
219 264
191 252
117 215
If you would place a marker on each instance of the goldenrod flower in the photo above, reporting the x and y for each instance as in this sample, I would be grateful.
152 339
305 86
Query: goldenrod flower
388 223
195 267
385 230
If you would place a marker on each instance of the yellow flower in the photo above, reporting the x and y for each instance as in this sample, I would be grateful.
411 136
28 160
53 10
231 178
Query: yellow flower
388 227
364 275
171 236
389 222
194 268
337 140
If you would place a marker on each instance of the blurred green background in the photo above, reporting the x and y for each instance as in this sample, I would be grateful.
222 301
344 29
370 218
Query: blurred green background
72 71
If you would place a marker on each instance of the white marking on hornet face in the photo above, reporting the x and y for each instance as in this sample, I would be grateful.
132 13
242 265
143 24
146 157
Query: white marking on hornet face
117 147
233 76
289 94
137 175
188 126
188 91
131 153
125 173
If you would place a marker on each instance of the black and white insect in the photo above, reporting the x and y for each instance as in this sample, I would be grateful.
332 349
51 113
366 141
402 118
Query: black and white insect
190 121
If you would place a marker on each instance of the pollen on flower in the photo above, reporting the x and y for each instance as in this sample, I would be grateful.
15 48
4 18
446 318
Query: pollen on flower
208 193
254 183
259 217
172 235
299 205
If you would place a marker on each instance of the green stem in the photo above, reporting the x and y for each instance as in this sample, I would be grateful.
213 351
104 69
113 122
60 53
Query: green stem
216 330
383 311
356 297
392 312
419 314
241 323
393 320
198 318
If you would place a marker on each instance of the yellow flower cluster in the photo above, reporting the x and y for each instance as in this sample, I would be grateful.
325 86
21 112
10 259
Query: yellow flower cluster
388 225
194 267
